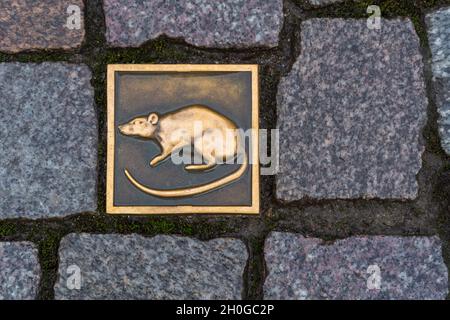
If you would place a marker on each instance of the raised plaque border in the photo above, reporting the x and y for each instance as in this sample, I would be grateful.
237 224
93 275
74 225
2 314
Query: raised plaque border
163 210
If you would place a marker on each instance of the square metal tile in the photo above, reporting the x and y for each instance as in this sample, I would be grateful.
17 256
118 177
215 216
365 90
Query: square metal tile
148 105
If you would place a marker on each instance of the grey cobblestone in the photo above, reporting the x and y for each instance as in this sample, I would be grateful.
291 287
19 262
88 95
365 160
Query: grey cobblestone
19 271
205 23
323 2
438 23
351 112
162 267
355 268
48 161
43 24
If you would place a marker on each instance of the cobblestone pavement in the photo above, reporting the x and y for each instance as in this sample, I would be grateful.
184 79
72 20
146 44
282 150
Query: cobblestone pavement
359 209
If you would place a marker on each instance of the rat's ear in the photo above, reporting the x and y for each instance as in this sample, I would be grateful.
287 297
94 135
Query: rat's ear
153 118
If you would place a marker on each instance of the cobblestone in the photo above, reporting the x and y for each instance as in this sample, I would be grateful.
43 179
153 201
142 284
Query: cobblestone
438 24
45 24
205 23
351 112
355 268
48 162
162 267
19 271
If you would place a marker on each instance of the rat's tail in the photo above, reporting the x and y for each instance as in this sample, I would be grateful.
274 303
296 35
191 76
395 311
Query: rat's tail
185 192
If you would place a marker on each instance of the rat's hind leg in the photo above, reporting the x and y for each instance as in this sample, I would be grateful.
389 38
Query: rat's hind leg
208 156
167 152
210 163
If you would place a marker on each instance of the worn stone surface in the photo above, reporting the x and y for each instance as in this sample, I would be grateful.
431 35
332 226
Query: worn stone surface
28 25
48 154
320 3
438 24
162 267
205 23
19 271
351 111
323 2
307 268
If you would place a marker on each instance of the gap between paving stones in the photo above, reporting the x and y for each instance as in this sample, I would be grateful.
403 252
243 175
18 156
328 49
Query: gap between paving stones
329 219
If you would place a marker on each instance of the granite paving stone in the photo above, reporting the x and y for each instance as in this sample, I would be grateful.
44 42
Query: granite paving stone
438 26
44 24
48 125
19 271
163 267
205 23
351 112
375 267
323 2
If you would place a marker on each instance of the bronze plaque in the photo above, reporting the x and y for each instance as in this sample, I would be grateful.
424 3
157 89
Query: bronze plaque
182 139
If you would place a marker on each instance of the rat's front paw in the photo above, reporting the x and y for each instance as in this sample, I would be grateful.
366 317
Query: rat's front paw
154 162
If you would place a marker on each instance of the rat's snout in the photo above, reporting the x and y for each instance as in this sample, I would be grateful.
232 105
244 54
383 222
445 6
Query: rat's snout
137 127
125 129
